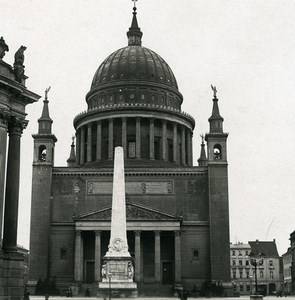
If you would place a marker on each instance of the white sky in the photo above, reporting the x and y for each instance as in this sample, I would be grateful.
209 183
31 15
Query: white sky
245 48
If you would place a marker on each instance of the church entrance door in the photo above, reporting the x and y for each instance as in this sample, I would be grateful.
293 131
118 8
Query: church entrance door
89 272
167 272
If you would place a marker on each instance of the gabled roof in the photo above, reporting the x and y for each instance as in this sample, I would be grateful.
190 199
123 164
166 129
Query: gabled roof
268 248
134 212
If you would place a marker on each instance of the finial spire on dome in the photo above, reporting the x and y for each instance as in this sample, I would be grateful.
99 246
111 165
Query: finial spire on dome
134 34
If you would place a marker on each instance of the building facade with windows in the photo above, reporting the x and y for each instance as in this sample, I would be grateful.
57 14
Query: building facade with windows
243 273
176 232
287 267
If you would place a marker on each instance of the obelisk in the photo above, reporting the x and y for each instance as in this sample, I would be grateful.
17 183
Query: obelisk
118 246
117 269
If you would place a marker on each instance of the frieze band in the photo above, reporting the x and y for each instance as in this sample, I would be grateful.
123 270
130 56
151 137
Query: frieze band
141 188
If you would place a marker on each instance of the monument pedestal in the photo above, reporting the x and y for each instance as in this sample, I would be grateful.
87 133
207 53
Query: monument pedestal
117 278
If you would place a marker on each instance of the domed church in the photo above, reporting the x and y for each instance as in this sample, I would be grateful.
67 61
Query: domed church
177 213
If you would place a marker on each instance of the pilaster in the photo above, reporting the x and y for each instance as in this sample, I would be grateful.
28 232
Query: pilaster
175 142
177 246
164 140
82 147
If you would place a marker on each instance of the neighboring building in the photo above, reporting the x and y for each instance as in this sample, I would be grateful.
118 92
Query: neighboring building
241 269
287 264
292 241
243 274
177 213
14 96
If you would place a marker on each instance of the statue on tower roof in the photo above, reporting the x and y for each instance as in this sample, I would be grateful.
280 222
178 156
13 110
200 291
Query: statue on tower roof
214 90
3 47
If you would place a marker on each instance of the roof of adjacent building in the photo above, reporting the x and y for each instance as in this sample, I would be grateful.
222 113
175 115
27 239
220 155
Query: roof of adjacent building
268 248
239 245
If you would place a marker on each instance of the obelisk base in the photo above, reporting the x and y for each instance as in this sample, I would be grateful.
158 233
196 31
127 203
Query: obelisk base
117 278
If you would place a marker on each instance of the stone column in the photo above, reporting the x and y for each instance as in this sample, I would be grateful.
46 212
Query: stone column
78 145
175 142
164 140
97 264
124 136
157 256
152 139
82 147
89 143
189 147
138 139
3 143
98 141
111 138
183 154
177 247
15 129
78 256
137 256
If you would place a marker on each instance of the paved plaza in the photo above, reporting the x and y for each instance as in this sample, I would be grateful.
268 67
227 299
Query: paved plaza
159 298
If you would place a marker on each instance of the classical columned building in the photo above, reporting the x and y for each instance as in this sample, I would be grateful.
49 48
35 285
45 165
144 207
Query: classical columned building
176 233
14 96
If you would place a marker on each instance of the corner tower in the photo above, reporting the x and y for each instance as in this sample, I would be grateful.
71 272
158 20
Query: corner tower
218 196
43 161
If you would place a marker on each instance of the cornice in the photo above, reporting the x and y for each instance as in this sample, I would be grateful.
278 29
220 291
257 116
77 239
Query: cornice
190 171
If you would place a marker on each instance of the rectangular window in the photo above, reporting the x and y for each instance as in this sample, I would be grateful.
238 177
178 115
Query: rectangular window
241 274
261 274
247 252
234 274
196 254
234 262
241 288
240 253
131 149
271 274
247 274
234 252
240 262
270 263
248 287
63 253
247 262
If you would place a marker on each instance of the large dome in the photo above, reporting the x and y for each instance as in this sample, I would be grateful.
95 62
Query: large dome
134 63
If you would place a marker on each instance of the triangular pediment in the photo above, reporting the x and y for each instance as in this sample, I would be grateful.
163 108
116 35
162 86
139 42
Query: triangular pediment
134 212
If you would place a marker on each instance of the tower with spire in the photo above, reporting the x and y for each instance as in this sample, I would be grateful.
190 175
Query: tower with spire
43 162
218 195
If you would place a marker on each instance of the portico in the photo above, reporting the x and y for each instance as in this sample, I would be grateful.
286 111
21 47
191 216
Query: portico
152 244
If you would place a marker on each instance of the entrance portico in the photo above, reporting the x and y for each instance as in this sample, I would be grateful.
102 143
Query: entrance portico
153 237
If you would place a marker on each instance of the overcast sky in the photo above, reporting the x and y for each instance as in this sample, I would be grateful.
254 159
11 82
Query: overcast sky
245 48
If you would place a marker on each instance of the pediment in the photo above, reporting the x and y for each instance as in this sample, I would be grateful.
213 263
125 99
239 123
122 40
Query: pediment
134 212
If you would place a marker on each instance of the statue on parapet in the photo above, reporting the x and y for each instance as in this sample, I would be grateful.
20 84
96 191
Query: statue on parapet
3 47
18 65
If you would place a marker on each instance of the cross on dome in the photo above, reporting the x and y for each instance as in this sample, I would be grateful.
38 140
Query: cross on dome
134 2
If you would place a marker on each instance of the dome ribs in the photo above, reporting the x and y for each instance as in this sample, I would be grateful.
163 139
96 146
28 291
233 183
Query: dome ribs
154 76
113 66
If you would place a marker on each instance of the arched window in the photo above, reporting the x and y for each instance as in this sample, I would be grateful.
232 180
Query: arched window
42 153
217 152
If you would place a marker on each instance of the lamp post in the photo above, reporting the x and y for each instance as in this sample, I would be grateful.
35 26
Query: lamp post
256 259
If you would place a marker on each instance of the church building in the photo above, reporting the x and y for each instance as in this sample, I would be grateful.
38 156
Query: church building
177 213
